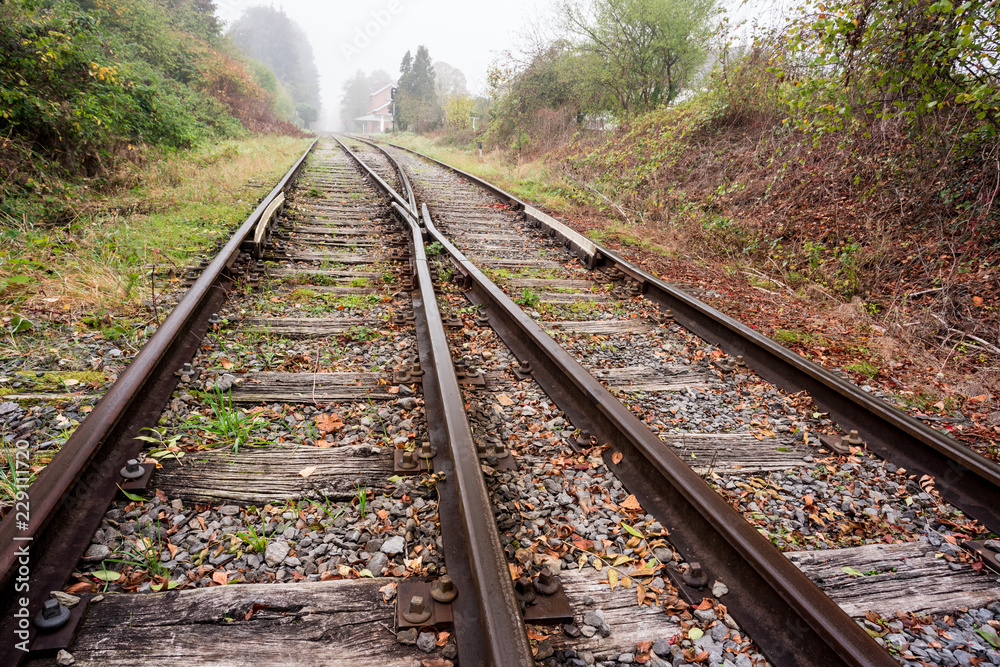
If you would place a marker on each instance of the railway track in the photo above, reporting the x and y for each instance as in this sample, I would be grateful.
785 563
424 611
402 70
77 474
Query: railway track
363 407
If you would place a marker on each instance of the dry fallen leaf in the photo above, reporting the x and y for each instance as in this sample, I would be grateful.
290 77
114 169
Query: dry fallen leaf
631 503
305 472
612 578
504 400
226 363
329 423
616 458
220 577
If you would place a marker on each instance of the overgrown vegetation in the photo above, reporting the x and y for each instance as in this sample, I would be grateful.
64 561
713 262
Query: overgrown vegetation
87 86
848 157
126 144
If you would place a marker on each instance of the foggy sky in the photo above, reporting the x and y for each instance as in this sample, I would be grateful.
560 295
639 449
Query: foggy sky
465 35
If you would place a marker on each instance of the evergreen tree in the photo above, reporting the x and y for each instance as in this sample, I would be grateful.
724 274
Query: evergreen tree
417 105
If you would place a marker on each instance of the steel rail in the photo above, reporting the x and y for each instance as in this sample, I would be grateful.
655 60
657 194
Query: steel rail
964 478
70 496
792 621
502 631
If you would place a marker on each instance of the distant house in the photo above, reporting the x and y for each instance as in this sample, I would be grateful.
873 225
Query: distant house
379 117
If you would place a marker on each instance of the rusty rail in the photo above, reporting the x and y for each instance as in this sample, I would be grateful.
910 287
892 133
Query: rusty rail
964 478
70 496
792 621
499 638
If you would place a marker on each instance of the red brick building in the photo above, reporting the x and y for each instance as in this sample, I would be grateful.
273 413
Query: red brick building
379 117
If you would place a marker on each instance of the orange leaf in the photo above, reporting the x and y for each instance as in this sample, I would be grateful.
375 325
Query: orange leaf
706 603
616 458
329 423
81 587
631 503
392 390
442 638
225 363
534 635
173 549
977 300
640 594
220 577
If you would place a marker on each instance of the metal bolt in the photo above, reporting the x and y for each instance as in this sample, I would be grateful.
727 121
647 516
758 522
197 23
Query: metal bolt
132 469
695 576
408 461
524 591
426 451
52 616
853 438
500 451
416 612
186 369
444 589
547 583
482 320
481 449
214 319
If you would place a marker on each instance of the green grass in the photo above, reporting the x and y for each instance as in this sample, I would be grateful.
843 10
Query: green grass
793 336
226 425
865 368
99 262
529 298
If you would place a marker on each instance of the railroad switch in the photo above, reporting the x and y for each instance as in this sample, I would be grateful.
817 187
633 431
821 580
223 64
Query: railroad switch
422 604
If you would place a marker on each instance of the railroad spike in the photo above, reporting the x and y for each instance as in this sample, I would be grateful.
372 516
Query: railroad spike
52 616
416 611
